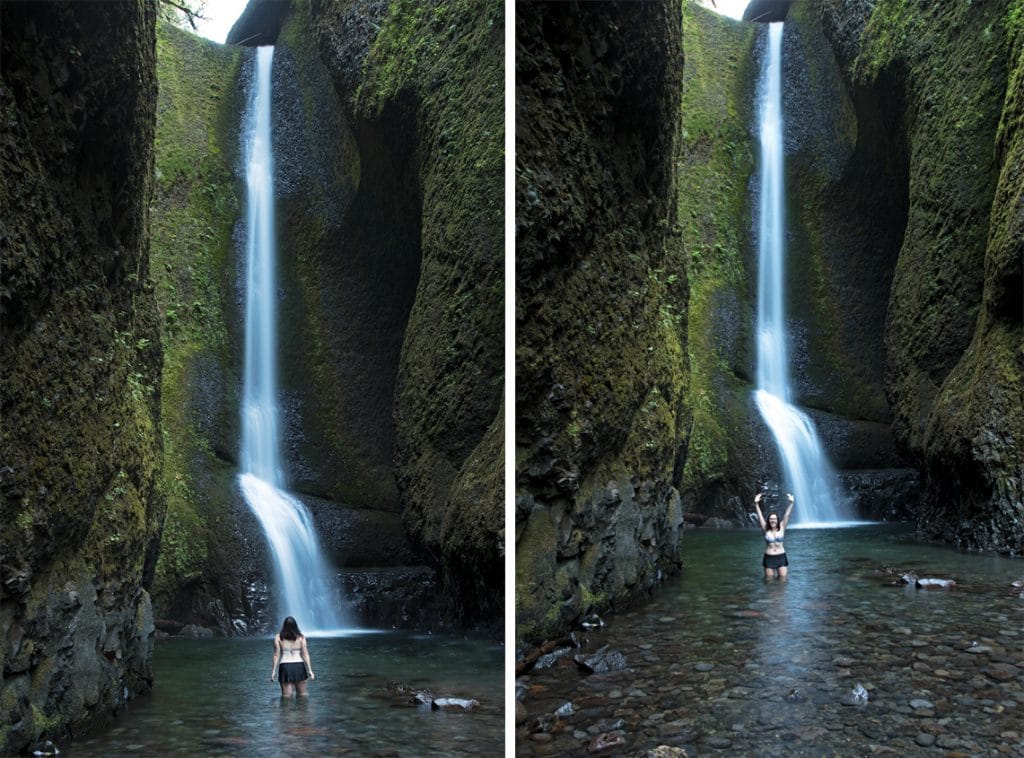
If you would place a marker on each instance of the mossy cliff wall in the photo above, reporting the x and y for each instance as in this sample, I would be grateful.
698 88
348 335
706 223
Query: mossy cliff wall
600 302
944 80
388 122
212 557
80 441
215 569
422 87
714 172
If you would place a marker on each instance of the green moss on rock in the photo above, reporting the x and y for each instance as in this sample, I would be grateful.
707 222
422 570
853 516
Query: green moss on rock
713 211
600 307
80 439
194 213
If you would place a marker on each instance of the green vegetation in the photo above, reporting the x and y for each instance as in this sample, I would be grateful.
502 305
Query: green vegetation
195 208
713 175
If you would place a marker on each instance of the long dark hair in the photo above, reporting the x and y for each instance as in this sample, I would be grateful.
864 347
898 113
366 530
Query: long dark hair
768 522
289 630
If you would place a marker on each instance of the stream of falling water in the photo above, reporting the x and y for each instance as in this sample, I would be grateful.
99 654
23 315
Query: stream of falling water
303 576
808 473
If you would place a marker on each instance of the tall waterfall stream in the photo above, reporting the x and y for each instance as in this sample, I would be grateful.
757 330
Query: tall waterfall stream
303 575
807 470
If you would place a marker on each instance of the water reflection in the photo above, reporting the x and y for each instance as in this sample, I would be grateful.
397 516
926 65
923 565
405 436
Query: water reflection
215 697
722 660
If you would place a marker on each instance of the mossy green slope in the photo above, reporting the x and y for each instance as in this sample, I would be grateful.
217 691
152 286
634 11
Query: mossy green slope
194 213
949 59
422 88
974 444
448 56
713 175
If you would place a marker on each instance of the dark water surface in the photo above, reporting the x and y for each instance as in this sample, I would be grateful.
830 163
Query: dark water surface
214 697
721 662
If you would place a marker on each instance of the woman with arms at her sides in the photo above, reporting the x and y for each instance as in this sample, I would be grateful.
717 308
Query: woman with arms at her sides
775 560
291 660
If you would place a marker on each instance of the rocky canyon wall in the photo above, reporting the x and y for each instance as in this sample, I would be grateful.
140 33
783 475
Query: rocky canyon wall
601 293
938 88
387 121
422 87
80 442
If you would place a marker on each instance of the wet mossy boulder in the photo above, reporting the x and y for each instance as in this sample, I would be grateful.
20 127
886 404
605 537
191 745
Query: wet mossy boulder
80 443
600 302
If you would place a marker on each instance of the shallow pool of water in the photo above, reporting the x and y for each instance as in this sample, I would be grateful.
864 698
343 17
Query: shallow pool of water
214 697
721 661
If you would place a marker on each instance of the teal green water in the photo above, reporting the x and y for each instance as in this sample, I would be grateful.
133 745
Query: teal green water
722 662
214 697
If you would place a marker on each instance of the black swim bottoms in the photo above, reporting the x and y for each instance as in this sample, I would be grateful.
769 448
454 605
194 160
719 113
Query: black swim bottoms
775 561
292 672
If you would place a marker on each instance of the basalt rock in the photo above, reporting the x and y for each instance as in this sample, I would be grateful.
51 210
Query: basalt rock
260 23
767 11
601 289
80 350
951 232
420 88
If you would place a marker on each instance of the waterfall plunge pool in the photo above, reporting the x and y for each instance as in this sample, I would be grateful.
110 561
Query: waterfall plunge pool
215 697
722 662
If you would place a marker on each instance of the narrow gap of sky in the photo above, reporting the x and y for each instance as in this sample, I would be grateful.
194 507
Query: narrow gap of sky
731 8
220 16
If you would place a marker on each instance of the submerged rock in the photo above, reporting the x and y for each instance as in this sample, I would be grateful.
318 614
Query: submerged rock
602 660
550 659
664 751
454 704
606 742
858 696
931 583
521 714
196 632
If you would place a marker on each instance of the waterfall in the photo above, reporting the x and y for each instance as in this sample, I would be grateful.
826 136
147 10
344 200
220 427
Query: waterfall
808 474
303 576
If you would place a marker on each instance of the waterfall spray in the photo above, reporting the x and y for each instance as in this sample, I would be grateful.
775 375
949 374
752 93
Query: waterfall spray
303 577
807 470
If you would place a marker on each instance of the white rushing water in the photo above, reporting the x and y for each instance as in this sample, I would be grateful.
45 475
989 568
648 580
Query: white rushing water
303 576
808 474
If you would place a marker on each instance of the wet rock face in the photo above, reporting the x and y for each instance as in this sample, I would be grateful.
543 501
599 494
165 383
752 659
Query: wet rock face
422 93
600 356
767 11
954 373
81 357
349 253
260 23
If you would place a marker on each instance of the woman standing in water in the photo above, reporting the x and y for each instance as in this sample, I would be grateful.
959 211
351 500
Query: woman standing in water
291 660
775 560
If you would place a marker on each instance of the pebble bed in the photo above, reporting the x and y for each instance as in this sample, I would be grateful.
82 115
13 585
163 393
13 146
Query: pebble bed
722 662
